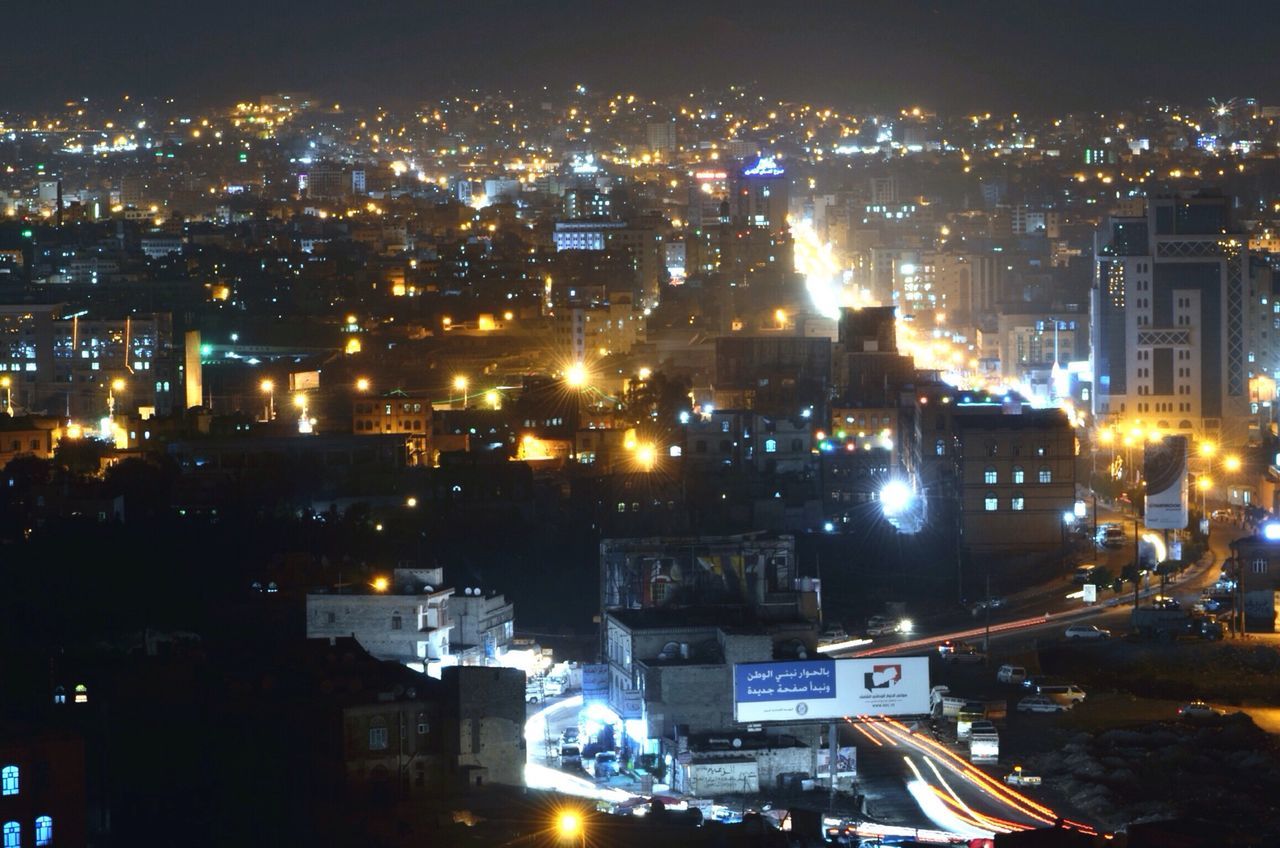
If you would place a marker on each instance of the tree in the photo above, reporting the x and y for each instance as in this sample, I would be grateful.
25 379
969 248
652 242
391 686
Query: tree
1132 574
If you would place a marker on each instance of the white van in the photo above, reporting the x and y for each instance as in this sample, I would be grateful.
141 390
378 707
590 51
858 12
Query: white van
1014 674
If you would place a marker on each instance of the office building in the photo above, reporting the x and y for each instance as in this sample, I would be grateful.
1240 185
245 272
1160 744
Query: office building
1169 319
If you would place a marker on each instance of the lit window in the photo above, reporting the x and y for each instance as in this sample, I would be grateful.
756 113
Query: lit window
1046 476
990 476
82 693
940 447
44 830
12 835
378 735
991 503
770 445
9 780
1018 503
1018 475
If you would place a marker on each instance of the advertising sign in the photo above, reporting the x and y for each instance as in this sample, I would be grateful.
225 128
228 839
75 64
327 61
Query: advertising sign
1165 468
815 690
1090 593
595 684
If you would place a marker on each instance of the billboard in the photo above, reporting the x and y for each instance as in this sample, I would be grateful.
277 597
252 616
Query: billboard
816 690
595 683
1165 469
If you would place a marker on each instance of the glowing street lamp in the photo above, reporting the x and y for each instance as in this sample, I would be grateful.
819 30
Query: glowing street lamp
380 584
492 398
6 383
1207 449
1204 484
570 827
363 384
576 375
460 384
269 389
117 385
895 498
1231 463
646 456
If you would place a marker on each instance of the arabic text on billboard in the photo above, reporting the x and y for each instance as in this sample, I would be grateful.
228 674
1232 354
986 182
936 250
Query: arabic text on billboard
810 690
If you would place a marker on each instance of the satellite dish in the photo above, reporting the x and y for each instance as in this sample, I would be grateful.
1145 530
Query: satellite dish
669 651
737 743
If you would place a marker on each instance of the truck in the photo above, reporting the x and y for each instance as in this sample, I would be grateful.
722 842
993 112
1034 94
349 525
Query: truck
984 746
943 703
1169 625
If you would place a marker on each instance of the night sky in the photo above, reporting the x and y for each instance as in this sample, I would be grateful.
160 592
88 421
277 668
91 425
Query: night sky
1032 55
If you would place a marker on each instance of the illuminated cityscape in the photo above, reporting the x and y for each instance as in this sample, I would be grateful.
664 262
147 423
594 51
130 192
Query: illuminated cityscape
558 437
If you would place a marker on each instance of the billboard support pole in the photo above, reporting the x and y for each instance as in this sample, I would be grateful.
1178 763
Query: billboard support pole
831 762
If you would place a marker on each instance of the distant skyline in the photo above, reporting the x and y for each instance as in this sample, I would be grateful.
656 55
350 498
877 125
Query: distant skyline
950 56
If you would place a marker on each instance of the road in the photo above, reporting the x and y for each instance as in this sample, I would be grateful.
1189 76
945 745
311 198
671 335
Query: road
542 731
938 785
957 796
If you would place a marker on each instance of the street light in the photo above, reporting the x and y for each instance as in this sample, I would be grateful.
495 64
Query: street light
269 389
117 385
362 384
492 398
1207 449
6 383
570 827
460 384
895 497
576 375
1231 463
1204 484
646 456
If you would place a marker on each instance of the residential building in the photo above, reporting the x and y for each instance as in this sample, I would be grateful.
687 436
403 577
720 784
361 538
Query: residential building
42 787
404 618
1014 462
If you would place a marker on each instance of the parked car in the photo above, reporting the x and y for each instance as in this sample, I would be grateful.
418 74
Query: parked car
569 736
1087 631
1040 704
992 603
570 754
1011 674
1198 710
1062 694
1222 515
1035 681
833 633
965 655
1164 602
606 765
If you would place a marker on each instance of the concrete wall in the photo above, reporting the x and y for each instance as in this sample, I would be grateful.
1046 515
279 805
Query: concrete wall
371 619
488 721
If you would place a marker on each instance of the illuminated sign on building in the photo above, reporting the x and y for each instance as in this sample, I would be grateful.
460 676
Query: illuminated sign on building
765 166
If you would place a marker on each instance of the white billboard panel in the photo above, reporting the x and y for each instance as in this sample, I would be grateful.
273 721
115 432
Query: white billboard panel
815 690
1166 474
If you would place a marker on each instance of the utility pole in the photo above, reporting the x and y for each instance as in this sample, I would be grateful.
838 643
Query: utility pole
1137 559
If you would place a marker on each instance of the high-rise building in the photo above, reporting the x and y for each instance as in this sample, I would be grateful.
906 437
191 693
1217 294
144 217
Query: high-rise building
660 137
1169 319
